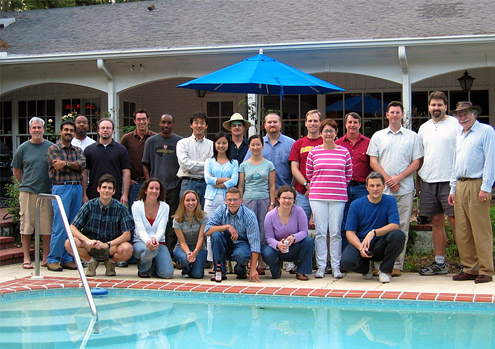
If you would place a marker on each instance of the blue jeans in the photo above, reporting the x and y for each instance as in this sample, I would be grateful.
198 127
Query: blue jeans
224 248
71 196
197 185
133 194
353 193
301 251
197 269
158 261
303 202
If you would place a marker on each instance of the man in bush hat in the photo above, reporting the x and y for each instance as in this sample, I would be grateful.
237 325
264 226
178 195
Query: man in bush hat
470 190
239 144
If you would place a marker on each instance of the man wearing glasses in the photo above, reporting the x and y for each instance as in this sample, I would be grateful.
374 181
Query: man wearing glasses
238 143
235 236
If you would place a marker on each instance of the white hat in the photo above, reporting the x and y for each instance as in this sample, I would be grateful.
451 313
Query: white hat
235 117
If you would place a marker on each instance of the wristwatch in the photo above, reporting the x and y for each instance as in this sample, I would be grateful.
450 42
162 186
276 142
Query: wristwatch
305 183
109 244
67 164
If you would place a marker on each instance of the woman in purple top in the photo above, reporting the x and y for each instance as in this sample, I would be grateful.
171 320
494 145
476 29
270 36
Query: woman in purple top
286 233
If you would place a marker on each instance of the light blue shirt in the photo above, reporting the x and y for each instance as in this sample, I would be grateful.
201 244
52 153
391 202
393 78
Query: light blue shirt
215 170
278 154
475 156
244 221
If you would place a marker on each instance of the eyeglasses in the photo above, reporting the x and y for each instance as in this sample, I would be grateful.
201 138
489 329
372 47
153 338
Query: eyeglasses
237 124
328 132
286 198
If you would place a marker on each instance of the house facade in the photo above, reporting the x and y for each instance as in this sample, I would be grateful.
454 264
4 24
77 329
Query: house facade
108 60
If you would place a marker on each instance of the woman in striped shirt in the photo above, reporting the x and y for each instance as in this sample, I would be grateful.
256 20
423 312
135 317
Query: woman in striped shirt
329 170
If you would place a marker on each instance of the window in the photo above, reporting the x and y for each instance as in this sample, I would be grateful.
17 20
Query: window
44 109
129 109
218 112
89 107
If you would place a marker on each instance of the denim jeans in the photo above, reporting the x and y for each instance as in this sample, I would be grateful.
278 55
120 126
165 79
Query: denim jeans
224 248
157 261
71 196
195 270
301 252
385 250
197 185
328 219
172 200
353 193
133 194
303 202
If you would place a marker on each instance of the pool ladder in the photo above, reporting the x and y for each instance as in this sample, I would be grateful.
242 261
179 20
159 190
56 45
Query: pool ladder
77 259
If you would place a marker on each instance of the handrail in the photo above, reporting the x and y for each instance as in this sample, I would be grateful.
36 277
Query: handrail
75 252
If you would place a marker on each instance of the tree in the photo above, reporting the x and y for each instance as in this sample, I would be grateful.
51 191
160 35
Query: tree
25 5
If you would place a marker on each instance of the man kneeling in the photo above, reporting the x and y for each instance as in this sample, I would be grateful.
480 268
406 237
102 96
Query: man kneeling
102 230
372 228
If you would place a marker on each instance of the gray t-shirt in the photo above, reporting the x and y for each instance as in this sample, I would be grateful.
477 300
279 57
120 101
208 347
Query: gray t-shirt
256 179
32 160
161 155
190 231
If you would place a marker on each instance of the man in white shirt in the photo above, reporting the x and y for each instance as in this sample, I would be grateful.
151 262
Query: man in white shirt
81 139
395 152
192 153
438 137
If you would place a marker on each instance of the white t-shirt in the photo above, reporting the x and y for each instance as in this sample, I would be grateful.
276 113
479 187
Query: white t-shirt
439 149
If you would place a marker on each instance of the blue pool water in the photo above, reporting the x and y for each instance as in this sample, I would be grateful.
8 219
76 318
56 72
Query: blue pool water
154 319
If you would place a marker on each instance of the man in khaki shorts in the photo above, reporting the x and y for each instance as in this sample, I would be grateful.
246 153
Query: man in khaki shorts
30 167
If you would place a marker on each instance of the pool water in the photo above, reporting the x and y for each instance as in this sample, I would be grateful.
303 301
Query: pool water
157 319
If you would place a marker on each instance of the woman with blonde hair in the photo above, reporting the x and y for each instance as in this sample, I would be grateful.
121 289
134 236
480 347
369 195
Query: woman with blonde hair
189 225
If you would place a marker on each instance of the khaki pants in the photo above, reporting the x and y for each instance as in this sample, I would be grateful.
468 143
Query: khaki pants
473 229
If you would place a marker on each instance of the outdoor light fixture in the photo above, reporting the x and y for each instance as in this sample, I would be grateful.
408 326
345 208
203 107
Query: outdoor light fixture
466 82
200 93
134 67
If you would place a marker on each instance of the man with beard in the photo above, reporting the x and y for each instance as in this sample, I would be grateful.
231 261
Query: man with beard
106 157
277 149
66 163
160 161
81 139
438 136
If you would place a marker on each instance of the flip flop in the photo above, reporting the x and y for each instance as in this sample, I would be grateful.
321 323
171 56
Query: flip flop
27 266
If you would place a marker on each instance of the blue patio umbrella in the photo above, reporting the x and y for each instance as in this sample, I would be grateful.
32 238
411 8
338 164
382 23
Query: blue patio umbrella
261 75
371 104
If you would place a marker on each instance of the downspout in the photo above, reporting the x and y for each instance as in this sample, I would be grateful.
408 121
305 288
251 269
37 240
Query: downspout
111 98
406 87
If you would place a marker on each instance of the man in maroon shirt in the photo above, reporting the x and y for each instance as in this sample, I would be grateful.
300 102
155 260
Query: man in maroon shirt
357 145
299 154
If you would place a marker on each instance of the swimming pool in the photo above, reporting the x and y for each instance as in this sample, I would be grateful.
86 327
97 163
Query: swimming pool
154 319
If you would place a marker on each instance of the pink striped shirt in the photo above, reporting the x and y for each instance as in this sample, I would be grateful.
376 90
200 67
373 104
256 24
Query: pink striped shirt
329 171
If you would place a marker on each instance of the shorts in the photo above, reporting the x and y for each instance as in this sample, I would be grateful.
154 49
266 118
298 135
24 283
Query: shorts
100 255
27 203
434 199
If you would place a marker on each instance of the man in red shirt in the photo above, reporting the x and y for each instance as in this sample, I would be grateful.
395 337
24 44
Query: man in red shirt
357 145
299 154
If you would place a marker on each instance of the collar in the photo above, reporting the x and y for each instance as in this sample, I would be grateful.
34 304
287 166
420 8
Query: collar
111 143
239 213
135 134
360 137
389 130
473 128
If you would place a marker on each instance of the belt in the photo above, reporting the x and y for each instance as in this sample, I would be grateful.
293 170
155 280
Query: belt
463 179
354 183
194 179
67 183
138 179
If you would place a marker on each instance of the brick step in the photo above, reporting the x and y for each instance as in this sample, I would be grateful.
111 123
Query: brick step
13 255
6 242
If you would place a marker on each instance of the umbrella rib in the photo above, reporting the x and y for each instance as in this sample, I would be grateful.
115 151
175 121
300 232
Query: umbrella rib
216 88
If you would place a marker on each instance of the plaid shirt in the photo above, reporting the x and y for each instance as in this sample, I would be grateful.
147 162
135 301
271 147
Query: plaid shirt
72 154
103 223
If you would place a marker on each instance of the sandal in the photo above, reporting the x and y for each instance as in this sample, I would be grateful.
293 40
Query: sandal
27 265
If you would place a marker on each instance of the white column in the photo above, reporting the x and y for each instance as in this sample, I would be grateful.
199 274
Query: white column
406 87
253 115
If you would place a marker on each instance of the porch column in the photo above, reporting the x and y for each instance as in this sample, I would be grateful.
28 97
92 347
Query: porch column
111 96
406 87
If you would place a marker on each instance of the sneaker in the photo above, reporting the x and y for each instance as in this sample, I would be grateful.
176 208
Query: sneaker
122 264
92 268
384 278
55 266
434 269
328 270
368 276
69 265
110 267
337 274
288 266
320 273
84 263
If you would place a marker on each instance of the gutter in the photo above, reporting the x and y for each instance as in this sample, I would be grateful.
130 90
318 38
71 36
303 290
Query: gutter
252 48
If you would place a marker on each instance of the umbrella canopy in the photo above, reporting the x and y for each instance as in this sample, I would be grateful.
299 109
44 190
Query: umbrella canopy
263 75
371 104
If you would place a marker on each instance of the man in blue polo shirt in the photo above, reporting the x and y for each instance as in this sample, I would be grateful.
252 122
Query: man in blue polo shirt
372 229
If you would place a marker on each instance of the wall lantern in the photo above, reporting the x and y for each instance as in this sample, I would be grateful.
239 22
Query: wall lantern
200 93
466 82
